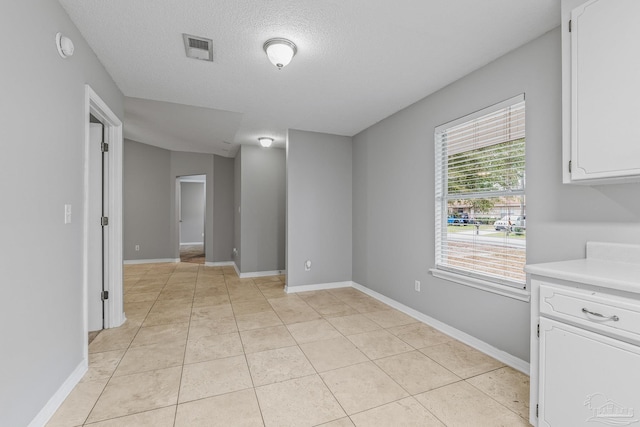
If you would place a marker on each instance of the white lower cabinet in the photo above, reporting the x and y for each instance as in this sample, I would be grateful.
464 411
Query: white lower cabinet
585 378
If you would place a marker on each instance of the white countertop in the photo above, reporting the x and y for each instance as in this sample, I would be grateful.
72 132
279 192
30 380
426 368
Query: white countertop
608 265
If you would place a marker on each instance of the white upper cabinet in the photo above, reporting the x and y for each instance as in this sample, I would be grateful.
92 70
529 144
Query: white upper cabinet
601 91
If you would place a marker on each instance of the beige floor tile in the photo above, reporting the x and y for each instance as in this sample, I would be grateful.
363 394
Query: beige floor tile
203 328
138 306
508 386
238 409
366 304
342 422
213 347
406 412
246 296
172 332
172 304
415 372
332 354
266 279
462 360
163 417
77 406
326 304
259 320
361 387
102 365
353 324
210 300
390 318
167 315
250 307
211 313
266 339
378 344
215 377
419 335
141 297
113 339
461 404
293 310
281 364
297 403
314 330
176 294
151 358
137 393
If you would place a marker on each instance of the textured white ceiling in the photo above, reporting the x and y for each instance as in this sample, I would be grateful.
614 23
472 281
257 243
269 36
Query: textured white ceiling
358 61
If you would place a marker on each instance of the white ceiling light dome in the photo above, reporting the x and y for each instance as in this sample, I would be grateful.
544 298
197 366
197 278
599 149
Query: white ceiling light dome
265 141
280 51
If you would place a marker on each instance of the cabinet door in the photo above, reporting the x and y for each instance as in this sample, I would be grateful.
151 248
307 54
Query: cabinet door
605 82
586 379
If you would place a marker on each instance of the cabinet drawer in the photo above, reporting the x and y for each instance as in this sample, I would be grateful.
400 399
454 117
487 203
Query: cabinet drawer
610 315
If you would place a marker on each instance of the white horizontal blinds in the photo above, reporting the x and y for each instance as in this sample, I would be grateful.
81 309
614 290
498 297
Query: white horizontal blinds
480 171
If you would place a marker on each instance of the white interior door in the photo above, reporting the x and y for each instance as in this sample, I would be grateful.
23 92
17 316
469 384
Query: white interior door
95 229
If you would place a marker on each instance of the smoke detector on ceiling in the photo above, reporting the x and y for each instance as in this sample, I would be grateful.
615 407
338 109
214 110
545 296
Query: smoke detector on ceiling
198 47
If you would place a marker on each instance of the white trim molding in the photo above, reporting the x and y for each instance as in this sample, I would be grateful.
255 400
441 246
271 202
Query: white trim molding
219 264
60 395
259 273
151 261
191 243
471 341
114 306
318 287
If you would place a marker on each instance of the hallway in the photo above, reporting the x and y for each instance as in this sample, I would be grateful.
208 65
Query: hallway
202 347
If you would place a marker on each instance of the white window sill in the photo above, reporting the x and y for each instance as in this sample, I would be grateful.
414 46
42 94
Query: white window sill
485 285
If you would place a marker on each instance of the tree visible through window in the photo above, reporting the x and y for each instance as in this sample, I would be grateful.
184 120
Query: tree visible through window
480 194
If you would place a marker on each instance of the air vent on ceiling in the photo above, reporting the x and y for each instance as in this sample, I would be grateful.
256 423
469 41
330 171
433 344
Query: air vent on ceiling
198 47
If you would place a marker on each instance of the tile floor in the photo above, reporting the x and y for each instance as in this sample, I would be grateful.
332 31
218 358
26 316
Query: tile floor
202 347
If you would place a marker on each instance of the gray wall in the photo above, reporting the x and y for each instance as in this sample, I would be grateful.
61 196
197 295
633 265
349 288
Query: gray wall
319 207
192 202
150 208
223 201
393 206
42 169
262 209
146 201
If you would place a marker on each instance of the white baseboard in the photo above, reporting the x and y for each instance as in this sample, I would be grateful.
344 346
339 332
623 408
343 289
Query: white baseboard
219 263
318 287
191 243
471 341
56 400
259 273
150 261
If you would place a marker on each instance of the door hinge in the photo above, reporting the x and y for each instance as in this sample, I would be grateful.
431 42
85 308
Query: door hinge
104 146
569 166
569 25
104 221
538 330
537 409
105 295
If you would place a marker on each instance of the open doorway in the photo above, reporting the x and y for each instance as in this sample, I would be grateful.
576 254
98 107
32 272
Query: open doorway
102 260
191 195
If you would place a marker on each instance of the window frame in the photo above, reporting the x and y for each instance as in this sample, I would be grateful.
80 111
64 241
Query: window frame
502 287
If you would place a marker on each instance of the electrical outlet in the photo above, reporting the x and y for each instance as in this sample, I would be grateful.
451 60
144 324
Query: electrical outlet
417 285
307 265
137 247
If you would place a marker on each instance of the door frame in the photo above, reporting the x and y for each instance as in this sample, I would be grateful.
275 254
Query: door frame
113 307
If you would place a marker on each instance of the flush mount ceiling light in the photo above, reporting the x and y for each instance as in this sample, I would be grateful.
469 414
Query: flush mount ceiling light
280 51
265 141
64 45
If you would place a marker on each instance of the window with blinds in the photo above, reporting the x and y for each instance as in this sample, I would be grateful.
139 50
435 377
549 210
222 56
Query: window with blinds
480 194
